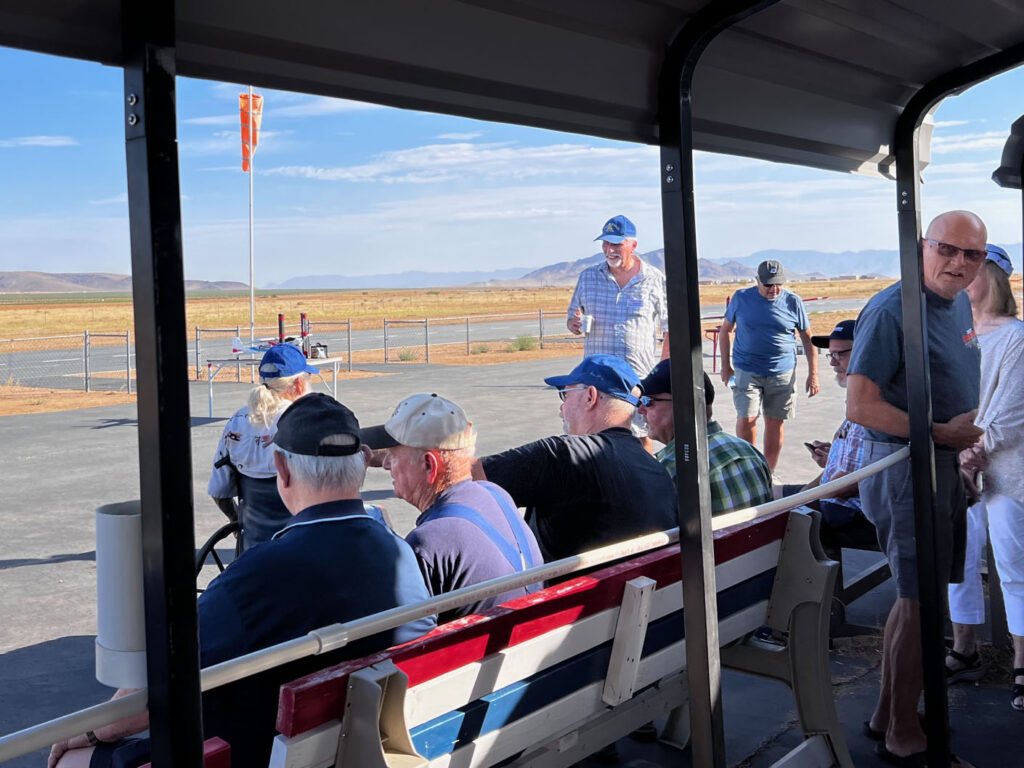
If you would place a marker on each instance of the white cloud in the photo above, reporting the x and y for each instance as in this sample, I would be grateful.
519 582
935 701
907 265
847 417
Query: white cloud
435 163
458 136
950 123
214 120
38 141
317 105
942 145
122 198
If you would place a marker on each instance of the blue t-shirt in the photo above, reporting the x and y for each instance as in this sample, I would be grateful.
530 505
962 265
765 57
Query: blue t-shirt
954 356
454 552
331 563
764 330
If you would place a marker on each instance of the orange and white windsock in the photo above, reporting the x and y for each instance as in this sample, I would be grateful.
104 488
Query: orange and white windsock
249 145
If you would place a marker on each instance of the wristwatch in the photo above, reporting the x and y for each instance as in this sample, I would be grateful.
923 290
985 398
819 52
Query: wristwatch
93 741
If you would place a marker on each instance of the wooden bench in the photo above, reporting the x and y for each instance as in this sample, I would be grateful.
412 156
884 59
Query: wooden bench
547 679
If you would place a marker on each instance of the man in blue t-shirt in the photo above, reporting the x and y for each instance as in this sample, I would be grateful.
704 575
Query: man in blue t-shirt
469 531
953 251
764 359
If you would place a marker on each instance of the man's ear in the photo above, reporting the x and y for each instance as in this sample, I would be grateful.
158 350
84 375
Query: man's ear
593 396
284 476
433 465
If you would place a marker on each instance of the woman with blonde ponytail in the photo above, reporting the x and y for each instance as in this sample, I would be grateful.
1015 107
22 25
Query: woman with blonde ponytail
243 466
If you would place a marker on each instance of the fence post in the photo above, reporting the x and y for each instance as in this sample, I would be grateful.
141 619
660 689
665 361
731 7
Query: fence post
385 341
467 335
540 323
349 334
238 368
198 334
128 360
86 350
426 337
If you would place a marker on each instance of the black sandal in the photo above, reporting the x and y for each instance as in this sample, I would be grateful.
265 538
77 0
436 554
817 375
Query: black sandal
971 670
1018 690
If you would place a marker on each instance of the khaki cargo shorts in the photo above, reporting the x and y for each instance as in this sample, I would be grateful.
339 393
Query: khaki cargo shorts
774 393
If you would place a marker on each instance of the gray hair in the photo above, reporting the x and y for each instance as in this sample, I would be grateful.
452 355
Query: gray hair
321 473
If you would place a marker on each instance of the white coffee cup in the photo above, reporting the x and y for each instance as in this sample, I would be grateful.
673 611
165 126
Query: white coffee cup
587 323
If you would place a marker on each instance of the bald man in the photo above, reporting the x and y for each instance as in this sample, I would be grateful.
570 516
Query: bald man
953 251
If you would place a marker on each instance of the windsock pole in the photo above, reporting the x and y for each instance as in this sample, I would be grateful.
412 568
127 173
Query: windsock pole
252 236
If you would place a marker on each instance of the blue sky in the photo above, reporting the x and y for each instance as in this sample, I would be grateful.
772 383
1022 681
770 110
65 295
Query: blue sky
349 188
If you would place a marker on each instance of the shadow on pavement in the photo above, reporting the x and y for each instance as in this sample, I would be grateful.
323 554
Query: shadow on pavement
83 556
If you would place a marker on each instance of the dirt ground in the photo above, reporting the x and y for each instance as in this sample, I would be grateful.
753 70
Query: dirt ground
16 400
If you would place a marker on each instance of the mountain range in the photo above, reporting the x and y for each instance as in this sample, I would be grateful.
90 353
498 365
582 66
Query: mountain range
799 264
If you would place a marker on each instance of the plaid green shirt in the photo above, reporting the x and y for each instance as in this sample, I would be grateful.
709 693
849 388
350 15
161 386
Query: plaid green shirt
739 474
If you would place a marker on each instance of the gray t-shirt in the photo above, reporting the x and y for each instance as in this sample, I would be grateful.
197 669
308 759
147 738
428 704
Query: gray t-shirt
953 354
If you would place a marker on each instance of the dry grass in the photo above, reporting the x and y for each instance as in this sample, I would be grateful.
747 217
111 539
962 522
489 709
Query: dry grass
16 400
366 308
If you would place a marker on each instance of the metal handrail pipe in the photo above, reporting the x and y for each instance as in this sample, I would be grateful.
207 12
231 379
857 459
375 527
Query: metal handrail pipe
44 338
334 636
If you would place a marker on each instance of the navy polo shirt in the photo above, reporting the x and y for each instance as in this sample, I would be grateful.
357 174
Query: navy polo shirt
332 563
586 491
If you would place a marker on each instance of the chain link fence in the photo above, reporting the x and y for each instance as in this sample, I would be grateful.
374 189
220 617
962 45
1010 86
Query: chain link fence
82 361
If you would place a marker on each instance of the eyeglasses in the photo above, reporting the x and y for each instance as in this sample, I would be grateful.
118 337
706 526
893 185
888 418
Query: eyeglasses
948 251
834 356
565 390
646 401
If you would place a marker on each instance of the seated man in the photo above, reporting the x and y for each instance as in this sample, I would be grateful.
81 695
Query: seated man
738 473
468 531
595 485
331 563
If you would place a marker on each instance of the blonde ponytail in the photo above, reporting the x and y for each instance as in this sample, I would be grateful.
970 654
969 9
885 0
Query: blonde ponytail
268 399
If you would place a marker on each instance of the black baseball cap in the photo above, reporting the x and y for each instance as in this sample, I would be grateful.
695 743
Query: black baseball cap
842 332
659 382
308 422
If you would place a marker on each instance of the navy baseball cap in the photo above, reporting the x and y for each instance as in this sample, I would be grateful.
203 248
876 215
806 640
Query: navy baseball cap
999 257
304 428
842 332
617 229
659 382
607 373
284 360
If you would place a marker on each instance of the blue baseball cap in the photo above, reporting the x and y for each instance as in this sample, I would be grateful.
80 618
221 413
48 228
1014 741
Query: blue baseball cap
607 373
842 332
284 360
617 229
999 257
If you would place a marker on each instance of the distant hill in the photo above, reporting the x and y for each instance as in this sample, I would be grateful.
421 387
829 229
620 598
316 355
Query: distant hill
76 282
566 272
412 279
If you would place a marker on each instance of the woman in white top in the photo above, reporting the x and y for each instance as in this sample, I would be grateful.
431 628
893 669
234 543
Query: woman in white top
999 456
243 466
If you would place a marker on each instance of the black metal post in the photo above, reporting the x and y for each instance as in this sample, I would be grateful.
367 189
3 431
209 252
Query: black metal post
696 546
158 287
922 450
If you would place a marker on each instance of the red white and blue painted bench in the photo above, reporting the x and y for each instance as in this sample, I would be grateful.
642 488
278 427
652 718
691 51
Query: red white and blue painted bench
559 674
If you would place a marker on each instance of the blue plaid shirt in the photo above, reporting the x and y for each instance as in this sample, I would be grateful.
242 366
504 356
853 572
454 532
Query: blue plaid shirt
846 455
627 320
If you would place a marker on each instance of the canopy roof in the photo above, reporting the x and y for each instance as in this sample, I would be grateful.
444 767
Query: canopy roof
813 82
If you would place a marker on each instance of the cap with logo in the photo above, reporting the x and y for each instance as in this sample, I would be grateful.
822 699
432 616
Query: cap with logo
284 360
423 421
617 229
607 373
999 257
318 425
659 382
842 332
770 272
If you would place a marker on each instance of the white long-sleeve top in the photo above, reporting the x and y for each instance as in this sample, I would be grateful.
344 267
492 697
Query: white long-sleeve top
1001 409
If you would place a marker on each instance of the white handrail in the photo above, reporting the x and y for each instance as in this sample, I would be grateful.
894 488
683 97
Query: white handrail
337 636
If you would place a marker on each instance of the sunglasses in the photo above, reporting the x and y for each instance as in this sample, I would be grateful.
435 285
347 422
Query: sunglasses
565 391
646 401
948 251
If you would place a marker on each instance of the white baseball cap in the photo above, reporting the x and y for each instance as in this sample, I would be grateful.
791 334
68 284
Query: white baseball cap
423 421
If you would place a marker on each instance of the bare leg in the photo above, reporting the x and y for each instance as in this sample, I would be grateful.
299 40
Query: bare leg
76 758
747 429
964 641
903 636
773 435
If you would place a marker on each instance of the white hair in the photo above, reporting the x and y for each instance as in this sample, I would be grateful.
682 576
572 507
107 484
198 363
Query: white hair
321 473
